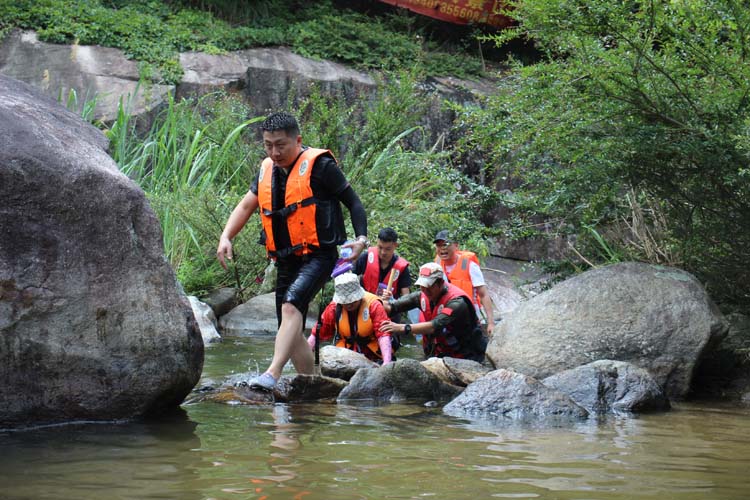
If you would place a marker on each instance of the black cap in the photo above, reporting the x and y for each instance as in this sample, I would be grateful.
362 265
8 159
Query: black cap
443 235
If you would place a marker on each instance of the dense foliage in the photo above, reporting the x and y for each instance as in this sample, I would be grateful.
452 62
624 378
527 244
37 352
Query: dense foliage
633 133
154 32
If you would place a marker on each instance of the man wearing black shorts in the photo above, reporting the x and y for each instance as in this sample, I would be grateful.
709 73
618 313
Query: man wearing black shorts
298 193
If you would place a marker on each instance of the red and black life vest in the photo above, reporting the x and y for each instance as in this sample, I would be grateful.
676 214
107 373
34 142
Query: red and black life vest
371 276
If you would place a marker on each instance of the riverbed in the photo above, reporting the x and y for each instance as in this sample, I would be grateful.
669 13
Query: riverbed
406 451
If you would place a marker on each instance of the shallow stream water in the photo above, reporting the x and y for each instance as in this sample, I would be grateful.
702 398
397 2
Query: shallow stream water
326 451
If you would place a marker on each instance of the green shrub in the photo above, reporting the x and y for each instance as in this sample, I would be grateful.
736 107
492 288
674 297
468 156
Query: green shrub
632 97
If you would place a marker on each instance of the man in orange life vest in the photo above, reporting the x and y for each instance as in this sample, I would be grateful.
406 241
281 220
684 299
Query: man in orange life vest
448 322
379 263
353 319
461 267
298 193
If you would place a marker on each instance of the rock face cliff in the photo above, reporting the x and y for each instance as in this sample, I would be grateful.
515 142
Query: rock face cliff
92 325
268 79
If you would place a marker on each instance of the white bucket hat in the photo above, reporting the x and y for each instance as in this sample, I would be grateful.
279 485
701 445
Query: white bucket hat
346 289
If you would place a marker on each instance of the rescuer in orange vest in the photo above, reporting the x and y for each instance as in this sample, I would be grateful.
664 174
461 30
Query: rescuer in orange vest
353 320
462 269
298 193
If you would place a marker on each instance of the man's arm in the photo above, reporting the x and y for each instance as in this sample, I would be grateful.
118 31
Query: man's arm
483 295
408 301
351 200
486 301
234 225
404 282
378 315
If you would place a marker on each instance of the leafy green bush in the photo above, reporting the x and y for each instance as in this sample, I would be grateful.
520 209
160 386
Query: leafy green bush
651 96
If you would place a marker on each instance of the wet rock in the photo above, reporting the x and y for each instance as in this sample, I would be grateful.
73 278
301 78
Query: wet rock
656 317
506 394
724 369
437 367
610 386
309 388
92 323
257 316
235 395
403 380
206 320
339 362
221 301
455 371
289 389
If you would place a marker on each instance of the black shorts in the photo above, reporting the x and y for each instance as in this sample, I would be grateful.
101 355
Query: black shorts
298 279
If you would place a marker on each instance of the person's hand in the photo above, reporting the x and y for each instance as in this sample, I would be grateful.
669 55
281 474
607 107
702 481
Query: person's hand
224 251
386 295
391 327
358 246
490 328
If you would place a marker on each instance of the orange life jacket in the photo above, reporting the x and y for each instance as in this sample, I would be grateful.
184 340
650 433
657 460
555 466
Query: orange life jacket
364 337
370 278
460 275
299 204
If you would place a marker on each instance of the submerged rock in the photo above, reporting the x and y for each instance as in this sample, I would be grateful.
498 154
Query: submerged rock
403 380
506 394
610 386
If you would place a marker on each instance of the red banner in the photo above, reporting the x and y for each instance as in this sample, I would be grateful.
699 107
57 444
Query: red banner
458 11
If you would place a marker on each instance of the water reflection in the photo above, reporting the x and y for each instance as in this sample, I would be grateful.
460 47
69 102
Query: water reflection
89 461
361 451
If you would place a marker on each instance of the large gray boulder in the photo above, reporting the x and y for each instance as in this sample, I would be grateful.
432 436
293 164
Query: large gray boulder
657 318
504 394
92 324
724 371
257 316
610 386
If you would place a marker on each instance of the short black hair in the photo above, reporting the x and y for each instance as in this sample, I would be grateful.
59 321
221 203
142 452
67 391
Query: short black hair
280 121
387 235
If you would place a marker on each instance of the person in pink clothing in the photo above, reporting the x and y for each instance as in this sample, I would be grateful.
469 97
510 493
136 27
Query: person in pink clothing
353 320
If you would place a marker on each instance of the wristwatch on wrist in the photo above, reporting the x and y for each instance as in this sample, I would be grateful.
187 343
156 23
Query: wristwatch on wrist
407 329
363 240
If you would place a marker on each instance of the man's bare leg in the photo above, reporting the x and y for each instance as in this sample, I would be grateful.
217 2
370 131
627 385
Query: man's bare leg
290 344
